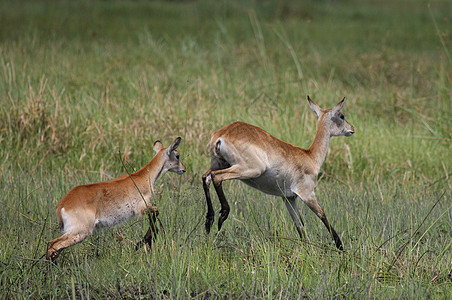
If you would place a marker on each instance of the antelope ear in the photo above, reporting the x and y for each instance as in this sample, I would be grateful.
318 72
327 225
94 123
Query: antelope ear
174 145
339 106
157 146
314 107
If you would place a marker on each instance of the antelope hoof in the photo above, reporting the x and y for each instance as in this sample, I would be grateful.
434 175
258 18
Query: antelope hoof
147 240
138 245
223 216
52 255
209 222
141 243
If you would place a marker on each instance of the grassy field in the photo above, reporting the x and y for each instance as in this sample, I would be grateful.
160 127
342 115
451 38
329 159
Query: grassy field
85 84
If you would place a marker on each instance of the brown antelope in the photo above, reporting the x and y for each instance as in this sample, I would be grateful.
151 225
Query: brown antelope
111 202
250 154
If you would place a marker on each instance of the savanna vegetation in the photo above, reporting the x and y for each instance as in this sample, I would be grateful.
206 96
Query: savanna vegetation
86 87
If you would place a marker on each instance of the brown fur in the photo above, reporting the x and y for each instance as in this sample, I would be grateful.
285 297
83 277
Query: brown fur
250 154
111 202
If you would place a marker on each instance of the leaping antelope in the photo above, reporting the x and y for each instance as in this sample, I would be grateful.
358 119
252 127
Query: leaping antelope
250 154
111 202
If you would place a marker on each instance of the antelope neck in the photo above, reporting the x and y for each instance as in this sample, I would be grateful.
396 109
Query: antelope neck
152 171
319 146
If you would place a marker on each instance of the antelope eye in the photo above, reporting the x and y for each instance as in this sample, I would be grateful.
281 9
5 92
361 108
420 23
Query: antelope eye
342 116
177 156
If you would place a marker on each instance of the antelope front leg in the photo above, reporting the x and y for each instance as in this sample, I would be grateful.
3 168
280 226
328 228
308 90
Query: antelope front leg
336 238
295 214
152 232
312 203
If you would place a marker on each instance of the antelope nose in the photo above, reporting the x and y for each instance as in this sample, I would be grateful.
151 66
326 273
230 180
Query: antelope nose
350 132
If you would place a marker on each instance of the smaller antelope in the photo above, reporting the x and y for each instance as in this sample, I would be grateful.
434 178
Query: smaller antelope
250 154
108 203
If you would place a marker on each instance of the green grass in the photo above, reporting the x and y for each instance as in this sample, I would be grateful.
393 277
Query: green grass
85 83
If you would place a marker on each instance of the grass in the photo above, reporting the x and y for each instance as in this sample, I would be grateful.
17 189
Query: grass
83 84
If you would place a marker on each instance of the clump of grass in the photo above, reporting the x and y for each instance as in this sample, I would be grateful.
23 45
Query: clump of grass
33 122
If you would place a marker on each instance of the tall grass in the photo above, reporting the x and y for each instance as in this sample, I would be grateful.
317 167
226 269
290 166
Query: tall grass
86 84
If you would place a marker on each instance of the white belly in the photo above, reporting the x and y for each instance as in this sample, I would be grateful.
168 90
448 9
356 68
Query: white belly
116 216
272 183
